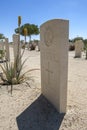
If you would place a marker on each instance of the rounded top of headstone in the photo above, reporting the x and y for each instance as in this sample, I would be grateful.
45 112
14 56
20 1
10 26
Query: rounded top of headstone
53 31
55 20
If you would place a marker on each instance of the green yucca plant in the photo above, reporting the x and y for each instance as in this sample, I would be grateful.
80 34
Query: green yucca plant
12 74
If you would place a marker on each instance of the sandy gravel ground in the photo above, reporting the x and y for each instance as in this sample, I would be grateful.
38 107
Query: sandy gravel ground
27 109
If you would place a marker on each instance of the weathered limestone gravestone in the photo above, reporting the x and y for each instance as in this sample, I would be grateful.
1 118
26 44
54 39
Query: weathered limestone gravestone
7 56
38 45
4 45
1 45
78 48
16 44
1 51
54 62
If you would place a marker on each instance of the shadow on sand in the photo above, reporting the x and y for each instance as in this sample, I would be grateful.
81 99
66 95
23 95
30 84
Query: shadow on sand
40 115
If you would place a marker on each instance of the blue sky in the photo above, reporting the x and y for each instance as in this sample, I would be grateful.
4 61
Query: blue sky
39 11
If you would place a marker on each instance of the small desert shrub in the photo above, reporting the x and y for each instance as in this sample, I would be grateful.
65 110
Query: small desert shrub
32 47
71 47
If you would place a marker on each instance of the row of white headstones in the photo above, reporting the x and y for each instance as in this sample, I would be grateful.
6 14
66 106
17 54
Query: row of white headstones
5 46
54 35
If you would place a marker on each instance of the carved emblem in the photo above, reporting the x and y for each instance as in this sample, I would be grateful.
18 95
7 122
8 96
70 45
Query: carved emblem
48 36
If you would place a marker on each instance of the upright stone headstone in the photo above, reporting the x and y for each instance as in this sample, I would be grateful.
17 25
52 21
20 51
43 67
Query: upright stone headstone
2 48
38 45
78 48
17 48
54 62
7 56
1 45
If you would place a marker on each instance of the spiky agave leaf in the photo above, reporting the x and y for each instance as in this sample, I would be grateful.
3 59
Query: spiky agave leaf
23 78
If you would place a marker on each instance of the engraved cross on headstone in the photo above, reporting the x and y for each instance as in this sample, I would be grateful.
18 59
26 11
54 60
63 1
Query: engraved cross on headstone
49 72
